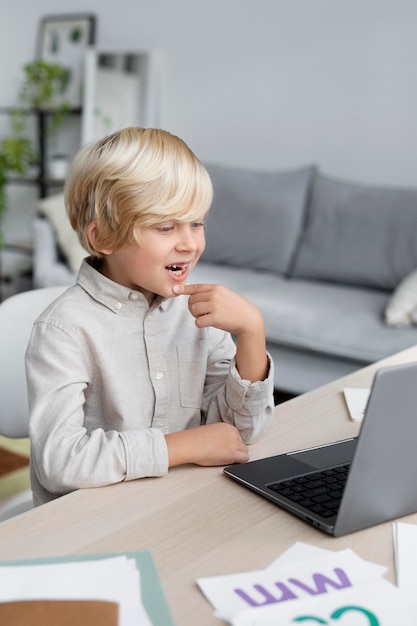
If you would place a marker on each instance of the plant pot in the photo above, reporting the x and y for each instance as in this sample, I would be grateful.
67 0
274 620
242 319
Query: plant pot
58 167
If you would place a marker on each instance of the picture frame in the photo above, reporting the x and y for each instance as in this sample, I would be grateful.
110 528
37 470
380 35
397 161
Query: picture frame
64 39
121 89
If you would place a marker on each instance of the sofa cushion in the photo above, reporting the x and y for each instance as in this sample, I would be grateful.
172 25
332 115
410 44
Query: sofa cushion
323 318
358 234
402 306
256 217
54 209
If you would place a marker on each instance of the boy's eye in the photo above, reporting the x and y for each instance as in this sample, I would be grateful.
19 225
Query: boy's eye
165 228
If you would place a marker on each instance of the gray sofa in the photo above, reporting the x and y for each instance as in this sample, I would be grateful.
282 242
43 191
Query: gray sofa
331 264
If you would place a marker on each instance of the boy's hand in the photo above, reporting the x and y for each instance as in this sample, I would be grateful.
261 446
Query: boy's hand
213 444
215 305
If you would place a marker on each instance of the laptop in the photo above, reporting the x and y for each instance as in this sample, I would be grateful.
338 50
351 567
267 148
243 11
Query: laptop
348 485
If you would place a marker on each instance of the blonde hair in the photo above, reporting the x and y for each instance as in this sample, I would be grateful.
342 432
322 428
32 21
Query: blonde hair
134 178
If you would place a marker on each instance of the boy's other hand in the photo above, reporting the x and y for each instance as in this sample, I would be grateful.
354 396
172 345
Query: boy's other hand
213 444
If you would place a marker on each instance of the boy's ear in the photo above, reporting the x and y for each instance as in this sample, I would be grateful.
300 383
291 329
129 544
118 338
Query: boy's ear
92 238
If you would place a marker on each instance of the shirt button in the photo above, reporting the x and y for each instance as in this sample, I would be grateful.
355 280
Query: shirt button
133 295
159 375
118 306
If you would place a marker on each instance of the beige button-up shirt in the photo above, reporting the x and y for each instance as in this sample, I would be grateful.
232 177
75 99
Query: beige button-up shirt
108 375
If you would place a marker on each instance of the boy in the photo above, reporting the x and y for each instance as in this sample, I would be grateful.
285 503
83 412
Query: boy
132 371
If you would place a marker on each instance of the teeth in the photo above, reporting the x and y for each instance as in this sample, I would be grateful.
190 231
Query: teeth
176 269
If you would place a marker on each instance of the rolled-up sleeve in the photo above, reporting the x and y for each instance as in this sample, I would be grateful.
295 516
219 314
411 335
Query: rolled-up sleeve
249 406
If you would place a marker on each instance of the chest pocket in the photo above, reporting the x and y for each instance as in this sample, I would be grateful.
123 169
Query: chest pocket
192 368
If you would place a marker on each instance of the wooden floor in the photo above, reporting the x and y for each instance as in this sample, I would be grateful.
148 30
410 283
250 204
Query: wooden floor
14 466
10 461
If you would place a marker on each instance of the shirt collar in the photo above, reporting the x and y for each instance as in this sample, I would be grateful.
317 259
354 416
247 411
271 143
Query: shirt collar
112 295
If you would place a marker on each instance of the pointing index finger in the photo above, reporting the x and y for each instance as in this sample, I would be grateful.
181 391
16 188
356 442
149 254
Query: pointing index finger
189 290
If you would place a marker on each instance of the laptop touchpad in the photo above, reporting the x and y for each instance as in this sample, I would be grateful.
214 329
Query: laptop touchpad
327 456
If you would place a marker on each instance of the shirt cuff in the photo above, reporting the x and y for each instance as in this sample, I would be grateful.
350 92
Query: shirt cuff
241 392
146 453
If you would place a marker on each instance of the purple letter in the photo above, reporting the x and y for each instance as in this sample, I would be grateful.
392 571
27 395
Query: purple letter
287 594
322 581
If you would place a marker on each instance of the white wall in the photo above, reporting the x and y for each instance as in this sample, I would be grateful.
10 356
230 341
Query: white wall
265 83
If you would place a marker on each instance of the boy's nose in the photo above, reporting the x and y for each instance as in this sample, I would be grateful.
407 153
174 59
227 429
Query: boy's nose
187 241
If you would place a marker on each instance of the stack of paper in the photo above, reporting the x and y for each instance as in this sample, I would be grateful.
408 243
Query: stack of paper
405 556
103 590
308 584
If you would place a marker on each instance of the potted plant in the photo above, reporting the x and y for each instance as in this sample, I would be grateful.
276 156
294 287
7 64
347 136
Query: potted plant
16 154
43 89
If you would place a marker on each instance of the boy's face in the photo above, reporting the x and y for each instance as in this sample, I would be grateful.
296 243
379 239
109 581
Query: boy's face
166 254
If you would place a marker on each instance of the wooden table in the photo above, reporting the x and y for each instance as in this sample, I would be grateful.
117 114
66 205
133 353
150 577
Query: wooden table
197 522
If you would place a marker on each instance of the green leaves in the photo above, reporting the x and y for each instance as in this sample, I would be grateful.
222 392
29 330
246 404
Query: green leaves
16 153
43 88
43 83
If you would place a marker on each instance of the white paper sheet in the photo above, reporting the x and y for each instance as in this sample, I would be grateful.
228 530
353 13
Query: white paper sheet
114 579
375 604
315 576
356 400
299 551
405 556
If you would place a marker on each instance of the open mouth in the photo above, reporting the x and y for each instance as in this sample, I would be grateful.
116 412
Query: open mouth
177 270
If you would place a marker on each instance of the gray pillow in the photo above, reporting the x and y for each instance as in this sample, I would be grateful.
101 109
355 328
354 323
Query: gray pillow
256 217
358 234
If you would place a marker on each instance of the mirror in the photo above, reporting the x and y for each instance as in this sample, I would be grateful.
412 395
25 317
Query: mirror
119 90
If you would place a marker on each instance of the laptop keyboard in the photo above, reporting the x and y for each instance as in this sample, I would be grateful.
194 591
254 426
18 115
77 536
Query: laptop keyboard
320 492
